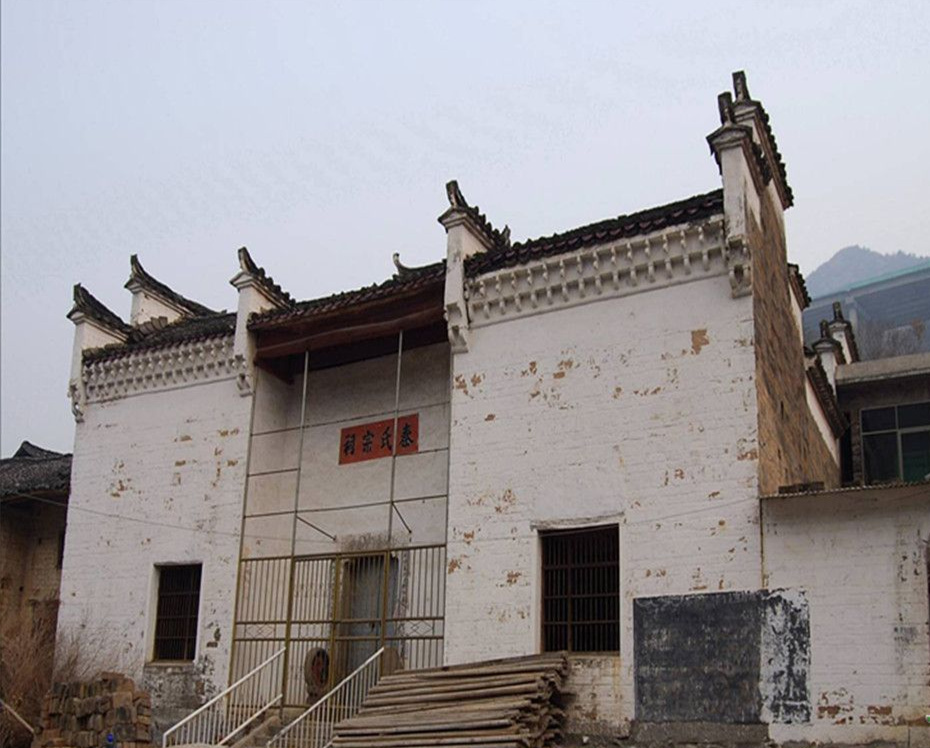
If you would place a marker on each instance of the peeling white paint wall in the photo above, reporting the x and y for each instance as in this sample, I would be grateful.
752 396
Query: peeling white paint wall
639 410
157 478
861 557
333 495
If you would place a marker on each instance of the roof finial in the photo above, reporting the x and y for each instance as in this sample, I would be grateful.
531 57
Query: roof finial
135 267
725 107
740 89
838 312
402 270
456 198
246 263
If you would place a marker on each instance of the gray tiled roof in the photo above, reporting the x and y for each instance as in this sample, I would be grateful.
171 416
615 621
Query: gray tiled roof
34 470
642 222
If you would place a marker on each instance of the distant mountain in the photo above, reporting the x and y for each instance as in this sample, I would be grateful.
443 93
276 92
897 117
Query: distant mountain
853 265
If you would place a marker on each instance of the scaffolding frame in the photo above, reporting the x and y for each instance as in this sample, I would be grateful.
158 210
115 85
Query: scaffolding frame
319 610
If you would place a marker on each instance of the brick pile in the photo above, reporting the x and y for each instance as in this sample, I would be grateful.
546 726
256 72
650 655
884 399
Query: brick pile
107 711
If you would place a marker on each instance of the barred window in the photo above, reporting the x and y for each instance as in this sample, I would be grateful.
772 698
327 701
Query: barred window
176 616
581 590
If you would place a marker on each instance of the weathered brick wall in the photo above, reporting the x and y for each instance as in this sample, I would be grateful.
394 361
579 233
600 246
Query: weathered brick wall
15 530
638 411
29 571
157 478
791 447
108 711
861 558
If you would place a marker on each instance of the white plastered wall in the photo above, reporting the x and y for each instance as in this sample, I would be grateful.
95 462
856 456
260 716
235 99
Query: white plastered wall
861 558
337 398
639 411
820 418
157 478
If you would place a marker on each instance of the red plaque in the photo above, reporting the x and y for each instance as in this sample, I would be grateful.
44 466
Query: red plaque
371 441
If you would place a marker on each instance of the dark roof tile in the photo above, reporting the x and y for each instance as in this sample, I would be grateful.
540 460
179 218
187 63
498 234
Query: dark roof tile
406 279
33 469
185 330
653 219
89 305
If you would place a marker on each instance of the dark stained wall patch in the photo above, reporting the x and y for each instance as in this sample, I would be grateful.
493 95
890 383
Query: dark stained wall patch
786 657
729 657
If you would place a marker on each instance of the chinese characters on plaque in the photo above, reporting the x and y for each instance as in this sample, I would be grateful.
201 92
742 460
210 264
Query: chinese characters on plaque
371 441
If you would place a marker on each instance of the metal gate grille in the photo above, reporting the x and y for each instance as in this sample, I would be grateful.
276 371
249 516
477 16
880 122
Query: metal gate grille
346 605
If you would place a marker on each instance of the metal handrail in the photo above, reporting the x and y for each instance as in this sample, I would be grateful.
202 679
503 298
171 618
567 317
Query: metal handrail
357 692
214 723
6 707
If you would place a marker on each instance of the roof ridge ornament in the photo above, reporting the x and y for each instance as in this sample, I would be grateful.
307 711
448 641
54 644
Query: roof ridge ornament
740 87
725 108
403 271
273 290
90 306
746 109
140 278
458 205
454 193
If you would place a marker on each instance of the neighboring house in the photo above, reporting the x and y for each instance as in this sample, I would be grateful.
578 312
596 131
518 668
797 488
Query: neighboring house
890 314
34 485
887 403
609 441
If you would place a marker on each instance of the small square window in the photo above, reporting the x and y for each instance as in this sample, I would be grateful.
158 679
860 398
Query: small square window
176 615
581 590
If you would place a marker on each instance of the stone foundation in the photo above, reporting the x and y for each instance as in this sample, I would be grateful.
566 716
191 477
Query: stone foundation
108 711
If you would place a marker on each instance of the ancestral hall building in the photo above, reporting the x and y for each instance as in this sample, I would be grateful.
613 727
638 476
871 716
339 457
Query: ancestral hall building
609 441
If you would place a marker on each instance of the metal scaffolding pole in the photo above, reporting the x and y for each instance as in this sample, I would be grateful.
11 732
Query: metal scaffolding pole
391 506
290 581
386 577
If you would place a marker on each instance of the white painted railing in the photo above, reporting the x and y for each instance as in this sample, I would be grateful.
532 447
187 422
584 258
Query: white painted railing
314 728
227 714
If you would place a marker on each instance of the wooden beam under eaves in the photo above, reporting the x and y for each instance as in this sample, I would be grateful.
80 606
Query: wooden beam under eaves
279 343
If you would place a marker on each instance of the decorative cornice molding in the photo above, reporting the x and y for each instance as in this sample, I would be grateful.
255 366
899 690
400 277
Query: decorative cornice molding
155 369
666 258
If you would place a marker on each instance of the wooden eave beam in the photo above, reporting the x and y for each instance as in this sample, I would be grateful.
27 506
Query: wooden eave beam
351 325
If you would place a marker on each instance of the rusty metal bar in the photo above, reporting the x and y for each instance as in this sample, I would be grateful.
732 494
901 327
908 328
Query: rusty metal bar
323 615
290 586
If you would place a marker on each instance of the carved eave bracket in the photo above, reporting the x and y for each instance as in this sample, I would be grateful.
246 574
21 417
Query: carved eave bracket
78 397
738 259
457 324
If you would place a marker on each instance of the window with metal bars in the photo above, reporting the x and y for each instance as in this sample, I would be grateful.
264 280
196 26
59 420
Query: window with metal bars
176 615
581 590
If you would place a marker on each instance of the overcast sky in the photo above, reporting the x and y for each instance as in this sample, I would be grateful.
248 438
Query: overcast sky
321 135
